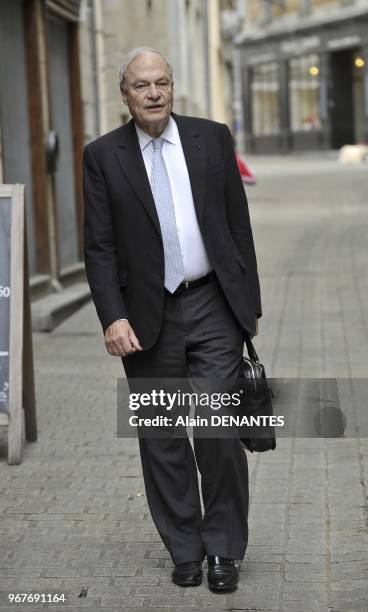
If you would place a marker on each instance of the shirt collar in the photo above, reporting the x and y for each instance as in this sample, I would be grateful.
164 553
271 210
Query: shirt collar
170 134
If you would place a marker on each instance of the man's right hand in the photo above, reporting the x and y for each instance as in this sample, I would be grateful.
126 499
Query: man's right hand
120 339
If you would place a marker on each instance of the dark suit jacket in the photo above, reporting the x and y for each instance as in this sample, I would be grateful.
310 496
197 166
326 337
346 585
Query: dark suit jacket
122 239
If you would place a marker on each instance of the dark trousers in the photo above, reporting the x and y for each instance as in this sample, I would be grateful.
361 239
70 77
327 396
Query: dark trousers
199 338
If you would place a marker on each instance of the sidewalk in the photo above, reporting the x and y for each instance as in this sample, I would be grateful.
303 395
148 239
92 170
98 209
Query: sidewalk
74 514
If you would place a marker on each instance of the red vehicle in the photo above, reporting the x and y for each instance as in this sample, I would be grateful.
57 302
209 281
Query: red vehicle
245 173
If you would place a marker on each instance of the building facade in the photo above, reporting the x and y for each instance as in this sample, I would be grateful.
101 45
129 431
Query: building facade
176 28
303 68
59 65
41 131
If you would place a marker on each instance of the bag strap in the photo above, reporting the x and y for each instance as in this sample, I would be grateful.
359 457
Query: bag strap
250 348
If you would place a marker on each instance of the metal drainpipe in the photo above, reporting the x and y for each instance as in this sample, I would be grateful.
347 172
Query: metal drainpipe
206 54
92 31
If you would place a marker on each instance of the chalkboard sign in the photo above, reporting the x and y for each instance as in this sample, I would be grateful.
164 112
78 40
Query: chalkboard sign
17 396
5 227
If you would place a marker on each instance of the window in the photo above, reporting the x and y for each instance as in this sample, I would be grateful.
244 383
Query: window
265 99
304 93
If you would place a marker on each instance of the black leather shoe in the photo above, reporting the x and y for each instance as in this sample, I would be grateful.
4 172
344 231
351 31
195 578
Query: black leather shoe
223 574
187 574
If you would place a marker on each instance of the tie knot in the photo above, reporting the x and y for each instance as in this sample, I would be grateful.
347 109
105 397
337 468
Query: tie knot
157 143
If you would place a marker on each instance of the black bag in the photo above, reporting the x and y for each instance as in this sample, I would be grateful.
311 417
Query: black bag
256 402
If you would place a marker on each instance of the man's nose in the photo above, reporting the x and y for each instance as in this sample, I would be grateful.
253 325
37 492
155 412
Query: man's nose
153 92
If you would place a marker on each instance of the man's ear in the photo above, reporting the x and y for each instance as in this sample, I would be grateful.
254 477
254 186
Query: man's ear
124 96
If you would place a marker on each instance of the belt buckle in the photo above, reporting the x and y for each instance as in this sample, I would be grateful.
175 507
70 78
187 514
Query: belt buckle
186 284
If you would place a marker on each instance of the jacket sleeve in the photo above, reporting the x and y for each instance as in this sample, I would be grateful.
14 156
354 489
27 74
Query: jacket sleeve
99 245
238 218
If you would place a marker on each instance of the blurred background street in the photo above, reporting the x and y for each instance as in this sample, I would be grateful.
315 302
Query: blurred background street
285 75
290 78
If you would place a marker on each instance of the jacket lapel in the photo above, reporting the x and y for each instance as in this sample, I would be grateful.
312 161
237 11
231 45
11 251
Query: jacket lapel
131 162
195 157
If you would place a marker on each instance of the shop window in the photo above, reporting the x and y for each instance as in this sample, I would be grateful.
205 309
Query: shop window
285 7
265 95
304 93
318 3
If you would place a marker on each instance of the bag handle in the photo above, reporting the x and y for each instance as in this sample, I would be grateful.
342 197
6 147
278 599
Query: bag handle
250 348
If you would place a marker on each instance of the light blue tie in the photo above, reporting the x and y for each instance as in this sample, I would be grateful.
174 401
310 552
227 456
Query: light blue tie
174 267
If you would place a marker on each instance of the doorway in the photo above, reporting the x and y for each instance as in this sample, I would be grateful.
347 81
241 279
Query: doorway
14 120
346 97
60 88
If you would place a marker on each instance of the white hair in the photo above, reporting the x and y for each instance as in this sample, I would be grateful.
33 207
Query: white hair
131 56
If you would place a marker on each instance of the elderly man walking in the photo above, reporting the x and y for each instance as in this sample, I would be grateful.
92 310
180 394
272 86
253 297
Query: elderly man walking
172 269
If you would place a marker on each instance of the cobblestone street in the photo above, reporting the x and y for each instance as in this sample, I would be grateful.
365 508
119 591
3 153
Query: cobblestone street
74 513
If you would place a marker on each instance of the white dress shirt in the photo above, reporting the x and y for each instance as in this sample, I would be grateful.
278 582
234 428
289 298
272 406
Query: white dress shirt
195 258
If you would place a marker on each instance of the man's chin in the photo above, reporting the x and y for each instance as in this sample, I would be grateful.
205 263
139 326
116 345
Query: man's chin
154 120
157 118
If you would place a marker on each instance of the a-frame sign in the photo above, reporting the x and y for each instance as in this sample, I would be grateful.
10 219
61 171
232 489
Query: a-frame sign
17 389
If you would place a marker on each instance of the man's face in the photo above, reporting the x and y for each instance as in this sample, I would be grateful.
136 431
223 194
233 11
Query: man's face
149 94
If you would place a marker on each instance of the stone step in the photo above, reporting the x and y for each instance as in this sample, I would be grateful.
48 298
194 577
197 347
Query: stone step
51 310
